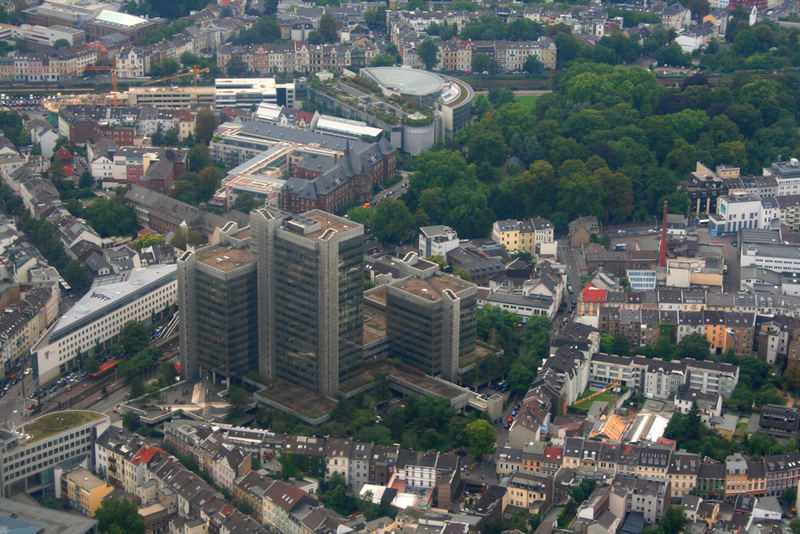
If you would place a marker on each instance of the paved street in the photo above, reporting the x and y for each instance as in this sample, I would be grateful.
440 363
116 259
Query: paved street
567 257
393 191
111 401
14 404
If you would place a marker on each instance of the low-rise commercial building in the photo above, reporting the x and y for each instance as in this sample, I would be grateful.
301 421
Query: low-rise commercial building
108 21
58 439
97 318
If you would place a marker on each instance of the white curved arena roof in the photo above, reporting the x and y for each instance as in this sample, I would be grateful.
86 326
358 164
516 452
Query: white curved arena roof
407 81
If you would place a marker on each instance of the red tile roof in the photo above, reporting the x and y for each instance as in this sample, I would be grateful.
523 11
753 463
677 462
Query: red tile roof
305 116
63 153
553 454
593 294
145 455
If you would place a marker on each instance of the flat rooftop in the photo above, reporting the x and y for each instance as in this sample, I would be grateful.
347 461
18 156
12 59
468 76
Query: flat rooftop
326 221
34 518
56 422
432 288
244 233
297 398
85 479
378 296
259 186
374 325
224 258
116 18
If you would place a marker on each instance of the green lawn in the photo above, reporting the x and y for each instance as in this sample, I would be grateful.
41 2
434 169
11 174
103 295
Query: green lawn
58 422
529 101
608 397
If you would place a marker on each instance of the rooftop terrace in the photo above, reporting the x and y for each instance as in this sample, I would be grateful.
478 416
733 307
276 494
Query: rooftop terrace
224 258
53 423
432 288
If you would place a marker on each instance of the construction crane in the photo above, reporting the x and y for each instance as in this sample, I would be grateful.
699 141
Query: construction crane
600 392
113 68
194 71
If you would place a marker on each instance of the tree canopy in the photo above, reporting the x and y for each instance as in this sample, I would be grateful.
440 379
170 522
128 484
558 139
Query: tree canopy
609 141
481 436
427 52
111 217
119 516
133 337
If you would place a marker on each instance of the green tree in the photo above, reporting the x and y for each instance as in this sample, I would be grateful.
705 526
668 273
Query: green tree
533 66
61 43
147 240
111 217
204 125
168 374
244 202
795 526
169 66
462 273
133 337
361 215
674 521
171 137
288 466
86 180
315 38
621 345
427 52
481 437
693 346
238 399
236 67
480 105
382 60
119 516
480 62
791 378
376 18
131 421
91 364
199 158
392 221
328 28
266 30
699 8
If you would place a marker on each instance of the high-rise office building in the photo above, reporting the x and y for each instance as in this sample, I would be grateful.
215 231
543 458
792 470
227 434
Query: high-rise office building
431 321
217 297
309 297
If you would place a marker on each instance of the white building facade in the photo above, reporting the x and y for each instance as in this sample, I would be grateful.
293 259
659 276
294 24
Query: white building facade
98 317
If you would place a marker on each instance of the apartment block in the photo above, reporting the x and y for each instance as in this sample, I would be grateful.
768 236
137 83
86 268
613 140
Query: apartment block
437 241
530 491
632 494
83 491
523 235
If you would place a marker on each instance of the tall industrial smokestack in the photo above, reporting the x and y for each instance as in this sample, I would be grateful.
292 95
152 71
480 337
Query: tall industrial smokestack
662 260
